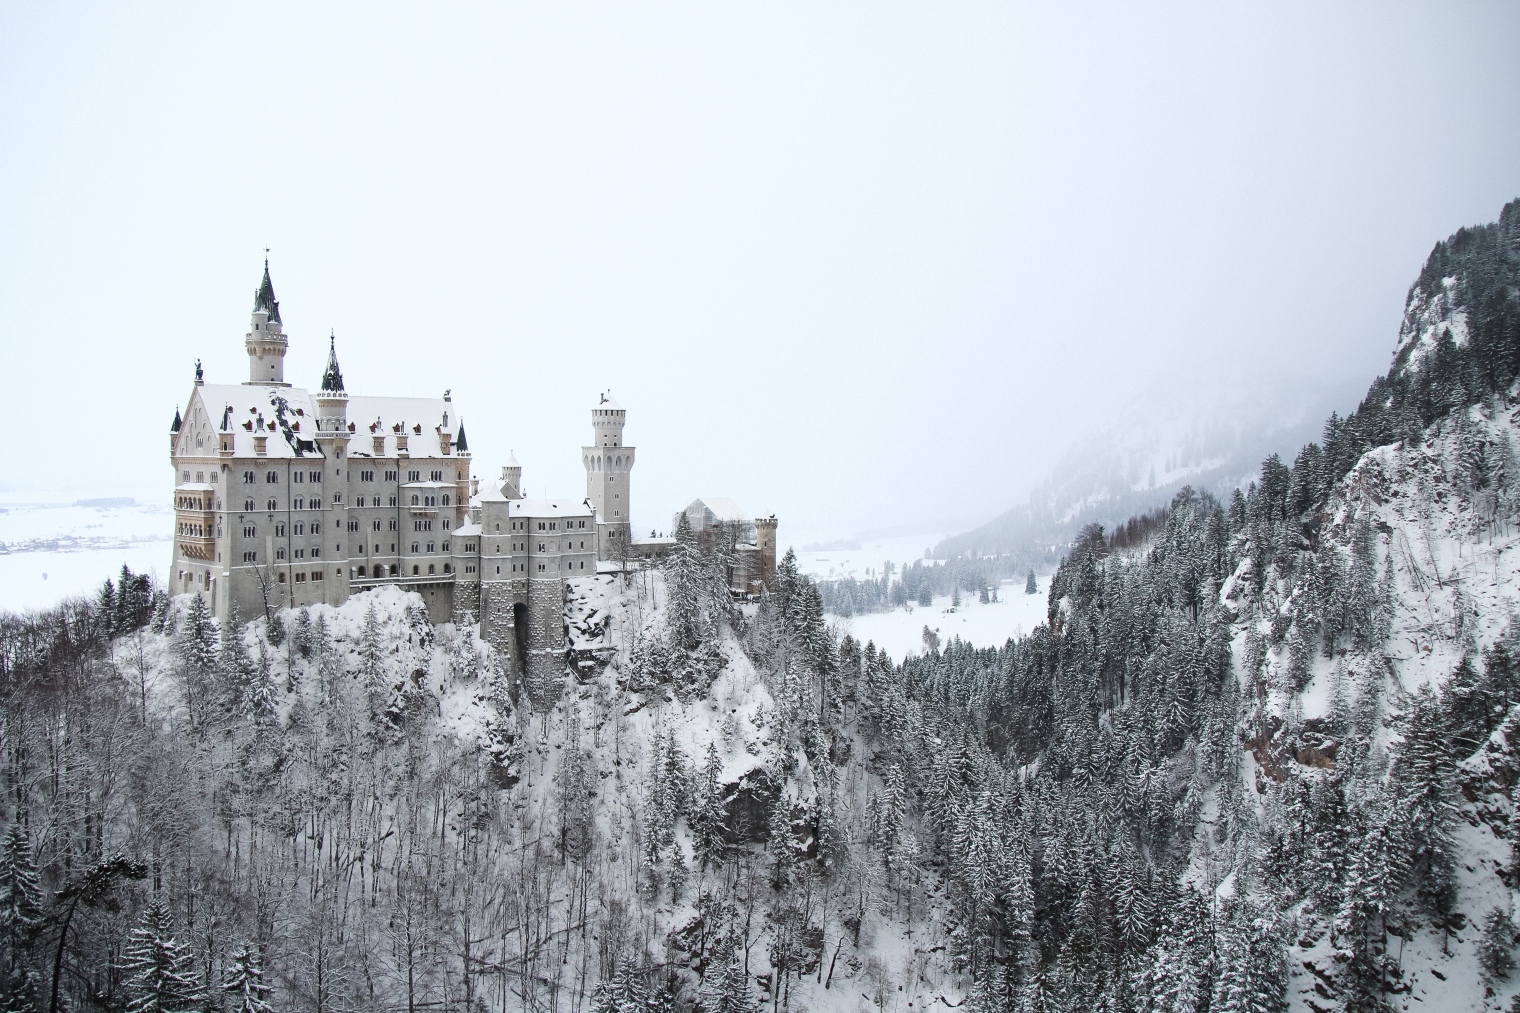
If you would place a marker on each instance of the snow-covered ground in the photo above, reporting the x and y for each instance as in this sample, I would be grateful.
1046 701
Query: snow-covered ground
901 631
867 560
54 550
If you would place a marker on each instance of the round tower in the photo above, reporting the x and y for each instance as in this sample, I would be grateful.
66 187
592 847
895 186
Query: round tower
331 398
266 341
609 467
511 478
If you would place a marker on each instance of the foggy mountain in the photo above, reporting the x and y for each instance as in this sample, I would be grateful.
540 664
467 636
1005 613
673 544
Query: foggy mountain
1213 440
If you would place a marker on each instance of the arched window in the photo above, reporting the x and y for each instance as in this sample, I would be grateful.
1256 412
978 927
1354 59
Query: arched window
361 571
432 569
447 568
414 501
415 571
445 499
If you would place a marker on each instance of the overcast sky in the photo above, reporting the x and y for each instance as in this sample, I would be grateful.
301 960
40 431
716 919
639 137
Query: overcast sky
859 265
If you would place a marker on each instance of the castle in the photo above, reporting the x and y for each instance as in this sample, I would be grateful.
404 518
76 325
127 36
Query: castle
287 497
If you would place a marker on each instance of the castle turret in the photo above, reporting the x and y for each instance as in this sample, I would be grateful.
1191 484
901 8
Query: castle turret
266 341
609 466
331 398
511 478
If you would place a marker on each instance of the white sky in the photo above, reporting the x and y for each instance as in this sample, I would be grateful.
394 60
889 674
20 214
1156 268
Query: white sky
855 264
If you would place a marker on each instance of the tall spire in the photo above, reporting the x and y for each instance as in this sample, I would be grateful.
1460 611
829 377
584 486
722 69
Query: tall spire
462 444
264 298
332 379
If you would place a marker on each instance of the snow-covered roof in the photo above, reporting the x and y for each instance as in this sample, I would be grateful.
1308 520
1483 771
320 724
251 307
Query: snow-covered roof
722 508
609 404
288 414
466 529
548 508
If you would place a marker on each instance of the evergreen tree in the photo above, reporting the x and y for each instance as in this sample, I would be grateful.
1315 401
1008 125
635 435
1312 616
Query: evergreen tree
245 984
158 970
728 992
1031 585
708 817
1496 947
234 662
623 992
371 651
20 916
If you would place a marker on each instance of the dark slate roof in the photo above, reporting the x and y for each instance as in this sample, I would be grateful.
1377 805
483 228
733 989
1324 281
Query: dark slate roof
332 377
174 428
264 298
461 445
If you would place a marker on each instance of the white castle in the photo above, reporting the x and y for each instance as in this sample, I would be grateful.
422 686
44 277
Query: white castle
285 497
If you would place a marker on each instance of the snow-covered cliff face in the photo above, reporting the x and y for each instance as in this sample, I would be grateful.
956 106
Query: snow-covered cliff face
1428 312
1442 521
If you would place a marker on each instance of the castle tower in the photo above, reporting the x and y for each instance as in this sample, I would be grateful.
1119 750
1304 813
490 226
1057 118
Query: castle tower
332 436
511 478
266 337
609 465
765 541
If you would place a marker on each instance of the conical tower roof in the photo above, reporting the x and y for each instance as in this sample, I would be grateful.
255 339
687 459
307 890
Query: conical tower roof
332 377
462 445
264 298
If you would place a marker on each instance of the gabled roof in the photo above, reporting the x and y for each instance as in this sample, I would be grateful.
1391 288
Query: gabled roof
264 298
722 509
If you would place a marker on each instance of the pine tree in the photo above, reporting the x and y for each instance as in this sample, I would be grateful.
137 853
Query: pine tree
925 594
708 816
623 992
158 970
685 618
234 663
371 651
20 914
245 984
728 992
1031 586
1496 947
196 641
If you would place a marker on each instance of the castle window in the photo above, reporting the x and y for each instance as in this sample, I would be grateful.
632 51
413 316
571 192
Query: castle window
415 547
300 553
431 546
300 578
377 525
432 569
437 476
298 504
296 477
316 552
393 524
498 569
390 476
445 499
415 571
248 505
366 476
445 546
279 553
249 557
318 574
279 531
249 531
445 524
272 478
300 529
361 571
247 478
273 505
414 476
316 529
447 568
392 502
414 501
353 525
282 578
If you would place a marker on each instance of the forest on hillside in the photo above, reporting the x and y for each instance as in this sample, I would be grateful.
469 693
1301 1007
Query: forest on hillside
1257 758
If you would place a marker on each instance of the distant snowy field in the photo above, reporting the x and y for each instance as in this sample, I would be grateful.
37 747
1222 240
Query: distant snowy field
53 551
901 631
